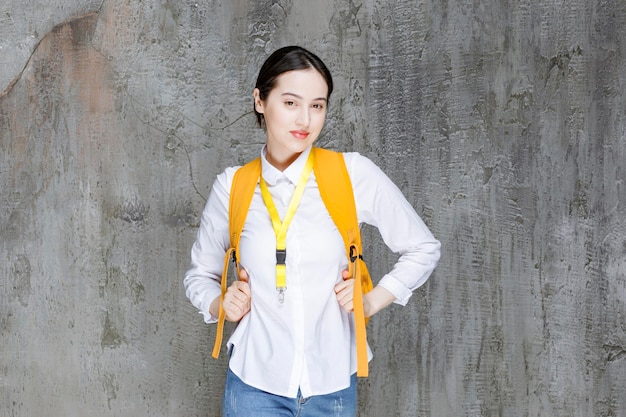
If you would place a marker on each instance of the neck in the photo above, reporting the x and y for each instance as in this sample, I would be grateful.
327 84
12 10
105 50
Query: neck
280 162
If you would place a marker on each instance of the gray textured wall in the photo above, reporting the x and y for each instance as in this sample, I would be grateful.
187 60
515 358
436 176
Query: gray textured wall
503 122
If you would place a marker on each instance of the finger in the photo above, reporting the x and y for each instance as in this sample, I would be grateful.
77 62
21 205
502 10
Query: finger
239 287
233 313
240 290
346 302
234 309
348 306
243 275
345 274
347 283
231 303
244 287
345 294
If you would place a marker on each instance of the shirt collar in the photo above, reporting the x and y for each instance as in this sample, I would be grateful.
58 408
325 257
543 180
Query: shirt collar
272 175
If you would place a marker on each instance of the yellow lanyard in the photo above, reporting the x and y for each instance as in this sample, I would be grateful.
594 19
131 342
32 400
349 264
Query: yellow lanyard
280 228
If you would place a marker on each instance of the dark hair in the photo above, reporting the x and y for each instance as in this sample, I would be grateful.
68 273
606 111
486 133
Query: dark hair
286 59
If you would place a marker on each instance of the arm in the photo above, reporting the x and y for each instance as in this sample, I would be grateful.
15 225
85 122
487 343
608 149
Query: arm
202 280
381 204
236 300
373 302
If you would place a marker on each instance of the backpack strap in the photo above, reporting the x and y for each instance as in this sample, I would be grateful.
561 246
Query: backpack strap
336 191
244 183
335 188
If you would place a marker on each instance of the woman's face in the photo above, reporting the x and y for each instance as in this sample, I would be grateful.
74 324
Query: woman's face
294 113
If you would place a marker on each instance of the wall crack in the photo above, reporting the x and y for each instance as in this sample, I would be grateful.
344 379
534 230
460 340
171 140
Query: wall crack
19 75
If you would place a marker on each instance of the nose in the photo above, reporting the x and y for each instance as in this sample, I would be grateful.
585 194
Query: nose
304 117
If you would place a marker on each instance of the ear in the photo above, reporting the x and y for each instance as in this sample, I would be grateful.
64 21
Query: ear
258 103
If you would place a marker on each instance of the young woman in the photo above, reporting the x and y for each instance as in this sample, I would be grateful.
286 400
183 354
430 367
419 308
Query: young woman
293 353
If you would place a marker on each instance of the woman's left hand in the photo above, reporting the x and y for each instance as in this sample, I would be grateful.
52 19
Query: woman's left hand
345 292
374 301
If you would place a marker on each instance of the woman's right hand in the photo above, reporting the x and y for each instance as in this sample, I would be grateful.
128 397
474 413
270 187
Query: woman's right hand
236 300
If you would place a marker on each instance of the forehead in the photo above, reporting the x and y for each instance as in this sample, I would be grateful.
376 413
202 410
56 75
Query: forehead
306 83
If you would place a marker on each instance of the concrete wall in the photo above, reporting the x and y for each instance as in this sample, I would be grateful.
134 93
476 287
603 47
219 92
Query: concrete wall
503 122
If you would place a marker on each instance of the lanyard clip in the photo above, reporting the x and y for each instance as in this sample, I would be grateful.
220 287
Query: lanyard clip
281 256
281 294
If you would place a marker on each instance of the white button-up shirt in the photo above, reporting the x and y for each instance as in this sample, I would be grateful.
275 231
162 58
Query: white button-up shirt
308 341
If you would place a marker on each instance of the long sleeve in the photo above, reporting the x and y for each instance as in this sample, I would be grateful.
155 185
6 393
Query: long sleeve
381 204
306 342
202 280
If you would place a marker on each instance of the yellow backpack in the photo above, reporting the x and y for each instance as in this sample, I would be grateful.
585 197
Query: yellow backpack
336 191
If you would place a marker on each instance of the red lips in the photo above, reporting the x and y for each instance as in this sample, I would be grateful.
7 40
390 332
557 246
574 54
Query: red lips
299 134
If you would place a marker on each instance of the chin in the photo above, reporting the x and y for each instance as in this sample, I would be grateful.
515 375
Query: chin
300 147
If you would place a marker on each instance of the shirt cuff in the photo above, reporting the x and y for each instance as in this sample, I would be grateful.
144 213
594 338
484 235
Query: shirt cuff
204 310
397 288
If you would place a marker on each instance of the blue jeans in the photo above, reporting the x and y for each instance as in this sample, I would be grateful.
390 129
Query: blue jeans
241 400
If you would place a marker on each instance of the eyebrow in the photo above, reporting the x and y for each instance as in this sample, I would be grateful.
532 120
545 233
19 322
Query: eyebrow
301 98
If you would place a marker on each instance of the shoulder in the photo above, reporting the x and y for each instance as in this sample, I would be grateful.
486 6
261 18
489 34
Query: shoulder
355 157
224 180
352 160
244 177
360 166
